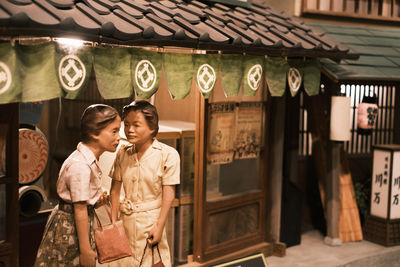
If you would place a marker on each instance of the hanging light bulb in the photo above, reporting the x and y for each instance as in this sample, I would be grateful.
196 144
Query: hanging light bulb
69 44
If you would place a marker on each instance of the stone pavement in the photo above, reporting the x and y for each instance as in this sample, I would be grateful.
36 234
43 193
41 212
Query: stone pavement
313 252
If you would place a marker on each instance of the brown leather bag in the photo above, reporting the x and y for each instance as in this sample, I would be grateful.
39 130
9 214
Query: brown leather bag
158 264
111 241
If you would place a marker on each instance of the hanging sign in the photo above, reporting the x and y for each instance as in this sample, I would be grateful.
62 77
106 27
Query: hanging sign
39 78
248 130
221 133
295 75
74 69
312 77
275 74
206 70
10 91
232 73
253 70
146 72
178 69
112 67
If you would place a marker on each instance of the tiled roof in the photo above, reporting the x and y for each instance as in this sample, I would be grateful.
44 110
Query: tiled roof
379 51
258 29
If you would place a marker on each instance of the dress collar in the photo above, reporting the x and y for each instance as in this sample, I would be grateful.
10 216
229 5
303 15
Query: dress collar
86 152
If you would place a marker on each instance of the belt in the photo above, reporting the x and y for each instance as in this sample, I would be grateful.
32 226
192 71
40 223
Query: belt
128 207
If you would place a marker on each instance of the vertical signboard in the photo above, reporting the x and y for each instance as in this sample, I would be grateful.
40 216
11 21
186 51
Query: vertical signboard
380 183
395 194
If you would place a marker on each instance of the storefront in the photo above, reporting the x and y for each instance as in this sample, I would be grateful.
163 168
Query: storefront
213 66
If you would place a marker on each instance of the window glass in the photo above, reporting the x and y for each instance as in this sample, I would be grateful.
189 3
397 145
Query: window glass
234 142
221 228
236 177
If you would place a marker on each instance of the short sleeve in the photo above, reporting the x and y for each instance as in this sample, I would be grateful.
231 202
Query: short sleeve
77 179
171 172
115 172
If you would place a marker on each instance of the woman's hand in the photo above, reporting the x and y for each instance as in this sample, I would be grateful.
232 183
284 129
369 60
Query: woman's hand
154 235
103 199
88 258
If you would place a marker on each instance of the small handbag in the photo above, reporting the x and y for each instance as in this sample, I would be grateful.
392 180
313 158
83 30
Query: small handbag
158 264
111 241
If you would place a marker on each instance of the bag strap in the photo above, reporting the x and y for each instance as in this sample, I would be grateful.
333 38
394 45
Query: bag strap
144 251
152 253
106 207
97 219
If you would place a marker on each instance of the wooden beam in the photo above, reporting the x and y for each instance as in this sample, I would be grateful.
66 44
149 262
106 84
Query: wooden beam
199 180
276 144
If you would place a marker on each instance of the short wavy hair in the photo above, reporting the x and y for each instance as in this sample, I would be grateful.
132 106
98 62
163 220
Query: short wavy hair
94 119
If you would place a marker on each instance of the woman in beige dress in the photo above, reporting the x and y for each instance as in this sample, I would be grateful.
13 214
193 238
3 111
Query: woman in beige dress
149 171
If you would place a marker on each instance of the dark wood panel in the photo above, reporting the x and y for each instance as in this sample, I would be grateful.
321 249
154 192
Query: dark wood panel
9 114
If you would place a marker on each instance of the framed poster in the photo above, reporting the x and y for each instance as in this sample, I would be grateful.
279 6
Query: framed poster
221 133
248 130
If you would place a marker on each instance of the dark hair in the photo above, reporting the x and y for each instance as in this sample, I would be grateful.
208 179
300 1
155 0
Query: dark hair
148 110
94 119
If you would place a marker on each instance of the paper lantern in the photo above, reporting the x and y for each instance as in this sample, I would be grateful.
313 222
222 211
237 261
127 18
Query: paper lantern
367 112
340 118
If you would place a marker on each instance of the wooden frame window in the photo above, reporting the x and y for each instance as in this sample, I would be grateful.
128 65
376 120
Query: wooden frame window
229 196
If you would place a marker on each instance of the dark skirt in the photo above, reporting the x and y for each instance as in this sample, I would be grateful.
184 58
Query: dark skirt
60 245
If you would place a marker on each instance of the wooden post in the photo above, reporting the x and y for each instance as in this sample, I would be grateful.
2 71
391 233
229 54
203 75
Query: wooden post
199 197
276 144
333 196
337 5
386 8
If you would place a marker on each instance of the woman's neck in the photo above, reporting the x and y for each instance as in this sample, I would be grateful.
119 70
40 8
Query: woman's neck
141 148
95 149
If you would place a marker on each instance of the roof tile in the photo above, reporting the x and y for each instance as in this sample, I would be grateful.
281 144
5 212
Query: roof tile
192 23
100 9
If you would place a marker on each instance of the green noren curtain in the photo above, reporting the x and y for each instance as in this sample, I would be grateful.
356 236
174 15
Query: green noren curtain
295 78
113 72
206 72
232 73
276 71
178 69
10 88
74 67
312 76
252 75
146 72
38 73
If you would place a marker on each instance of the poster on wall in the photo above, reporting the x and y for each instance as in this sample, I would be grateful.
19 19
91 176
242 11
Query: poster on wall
221 133
248 130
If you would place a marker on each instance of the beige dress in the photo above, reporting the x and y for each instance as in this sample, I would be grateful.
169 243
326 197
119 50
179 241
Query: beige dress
142 181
